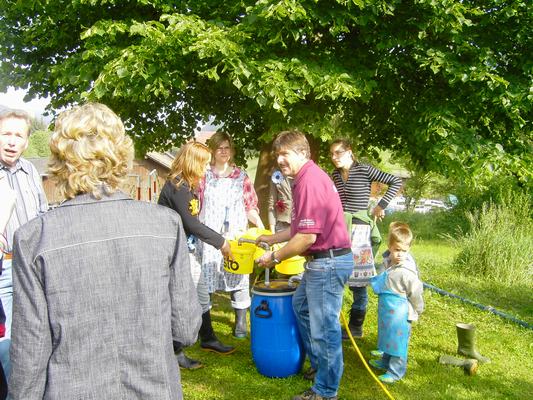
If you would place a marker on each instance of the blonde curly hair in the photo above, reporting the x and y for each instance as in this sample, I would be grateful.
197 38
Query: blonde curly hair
91 152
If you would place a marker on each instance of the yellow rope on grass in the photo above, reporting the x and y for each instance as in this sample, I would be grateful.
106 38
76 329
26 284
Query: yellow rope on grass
345 323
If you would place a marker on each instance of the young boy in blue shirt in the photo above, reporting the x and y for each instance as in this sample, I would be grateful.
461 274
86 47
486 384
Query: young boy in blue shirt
400 302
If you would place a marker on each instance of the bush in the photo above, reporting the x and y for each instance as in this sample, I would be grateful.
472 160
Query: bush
430 226
496 191
39 145
499 241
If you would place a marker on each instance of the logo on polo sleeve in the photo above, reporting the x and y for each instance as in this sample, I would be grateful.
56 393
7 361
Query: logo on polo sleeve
306 223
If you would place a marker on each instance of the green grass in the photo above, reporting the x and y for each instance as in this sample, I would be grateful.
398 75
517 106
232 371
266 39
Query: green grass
499 242
507 344
435 261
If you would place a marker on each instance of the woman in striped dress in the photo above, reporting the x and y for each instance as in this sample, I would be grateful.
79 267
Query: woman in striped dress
353 180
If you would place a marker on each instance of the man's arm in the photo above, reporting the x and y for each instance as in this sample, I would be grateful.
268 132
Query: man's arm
41 195
31 343
298 244
279 237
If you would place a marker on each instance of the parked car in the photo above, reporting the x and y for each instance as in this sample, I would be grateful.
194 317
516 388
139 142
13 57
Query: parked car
422 208
435 204
396 204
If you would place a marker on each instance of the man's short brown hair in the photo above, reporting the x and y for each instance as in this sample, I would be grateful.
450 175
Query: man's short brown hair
292 140
18 114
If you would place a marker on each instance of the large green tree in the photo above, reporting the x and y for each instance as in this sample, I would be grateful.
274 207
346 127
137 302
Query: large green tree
446 82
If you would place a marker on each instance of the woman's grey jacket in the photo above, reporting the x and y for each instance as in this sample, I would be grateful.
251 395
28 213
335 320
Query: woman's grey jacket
101 288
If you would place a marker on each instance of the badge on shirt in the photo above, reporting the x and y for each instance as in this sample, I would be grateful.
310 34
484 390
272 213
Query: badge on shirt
306 223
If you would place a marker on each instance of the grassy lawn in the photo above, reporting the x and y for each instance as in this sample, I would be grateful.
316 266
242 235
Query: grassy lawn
509 346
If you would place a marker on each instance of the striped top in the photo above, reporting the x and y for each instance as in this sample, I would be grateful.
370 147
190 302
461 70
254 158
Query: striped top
355 192
24 179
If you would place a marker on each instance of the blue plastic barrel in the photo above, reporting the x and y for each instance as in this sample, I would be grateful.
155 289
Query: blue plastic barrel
277 348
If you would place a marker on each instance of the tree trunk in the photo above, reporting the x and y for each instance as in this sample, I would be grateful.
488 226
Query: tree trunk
265 166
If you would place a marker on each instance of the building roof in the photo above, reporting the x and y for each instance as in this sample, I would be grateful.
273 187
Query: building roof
164 159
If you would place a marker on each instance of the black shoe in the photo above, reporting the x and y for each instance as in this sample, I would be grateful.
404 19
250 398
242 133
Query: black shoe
216 346
356 331
310 374
357 318
310 395
187 363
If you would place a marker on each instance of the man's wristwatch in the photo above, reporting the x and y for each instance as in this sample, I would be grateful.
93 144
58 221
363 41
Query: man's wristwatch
273 258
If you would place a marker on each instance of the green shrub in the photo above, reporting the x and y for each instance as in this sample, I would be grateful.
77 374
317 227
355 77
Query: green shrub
496 191
430 226
499 241
39 145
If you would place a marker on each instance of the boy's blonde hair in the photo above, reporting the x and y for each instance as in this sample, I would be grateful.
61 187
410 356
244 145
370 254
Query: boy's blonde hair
189 164
90 151
399 232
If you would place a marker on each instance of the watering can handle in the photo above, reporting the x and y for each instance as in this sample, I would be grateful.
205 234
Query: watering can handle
263 245
262 310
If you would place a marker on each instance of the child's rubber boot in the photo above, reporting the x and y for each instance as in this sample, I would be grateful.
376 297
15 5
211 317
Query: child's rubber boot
387 378
376 353
378 364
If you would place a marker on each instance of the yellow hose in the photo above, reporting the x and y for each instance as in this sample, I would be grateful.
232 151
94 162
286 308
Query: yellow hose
345 323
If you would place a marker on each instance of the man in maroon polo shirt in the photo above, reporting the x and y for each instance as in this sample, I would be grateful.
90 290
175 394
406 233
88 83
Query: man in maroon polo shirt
319 232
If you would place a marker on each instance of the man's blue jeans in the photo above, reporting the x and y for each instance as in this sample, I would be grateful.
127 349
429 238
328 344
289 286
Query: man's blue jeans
317 303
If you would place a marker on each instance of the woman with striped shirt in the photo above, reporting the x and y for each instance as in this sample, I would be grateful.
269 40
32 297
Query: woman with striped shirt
353 180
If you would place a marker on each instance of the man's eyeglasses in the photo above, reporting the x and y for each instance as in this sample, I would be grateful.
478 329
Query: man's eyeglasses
337 153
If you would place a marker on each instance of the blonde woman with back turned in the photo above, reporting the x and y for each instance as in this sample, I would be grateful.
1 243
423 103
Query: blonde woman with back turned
102 283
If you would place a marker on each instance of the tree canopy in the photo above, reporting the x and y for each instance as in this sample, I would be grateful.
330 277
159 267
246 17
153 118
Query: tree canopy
446 82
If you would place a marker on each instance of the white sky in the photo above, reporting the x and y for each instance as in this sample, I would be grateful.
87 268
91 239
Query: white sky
15 99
